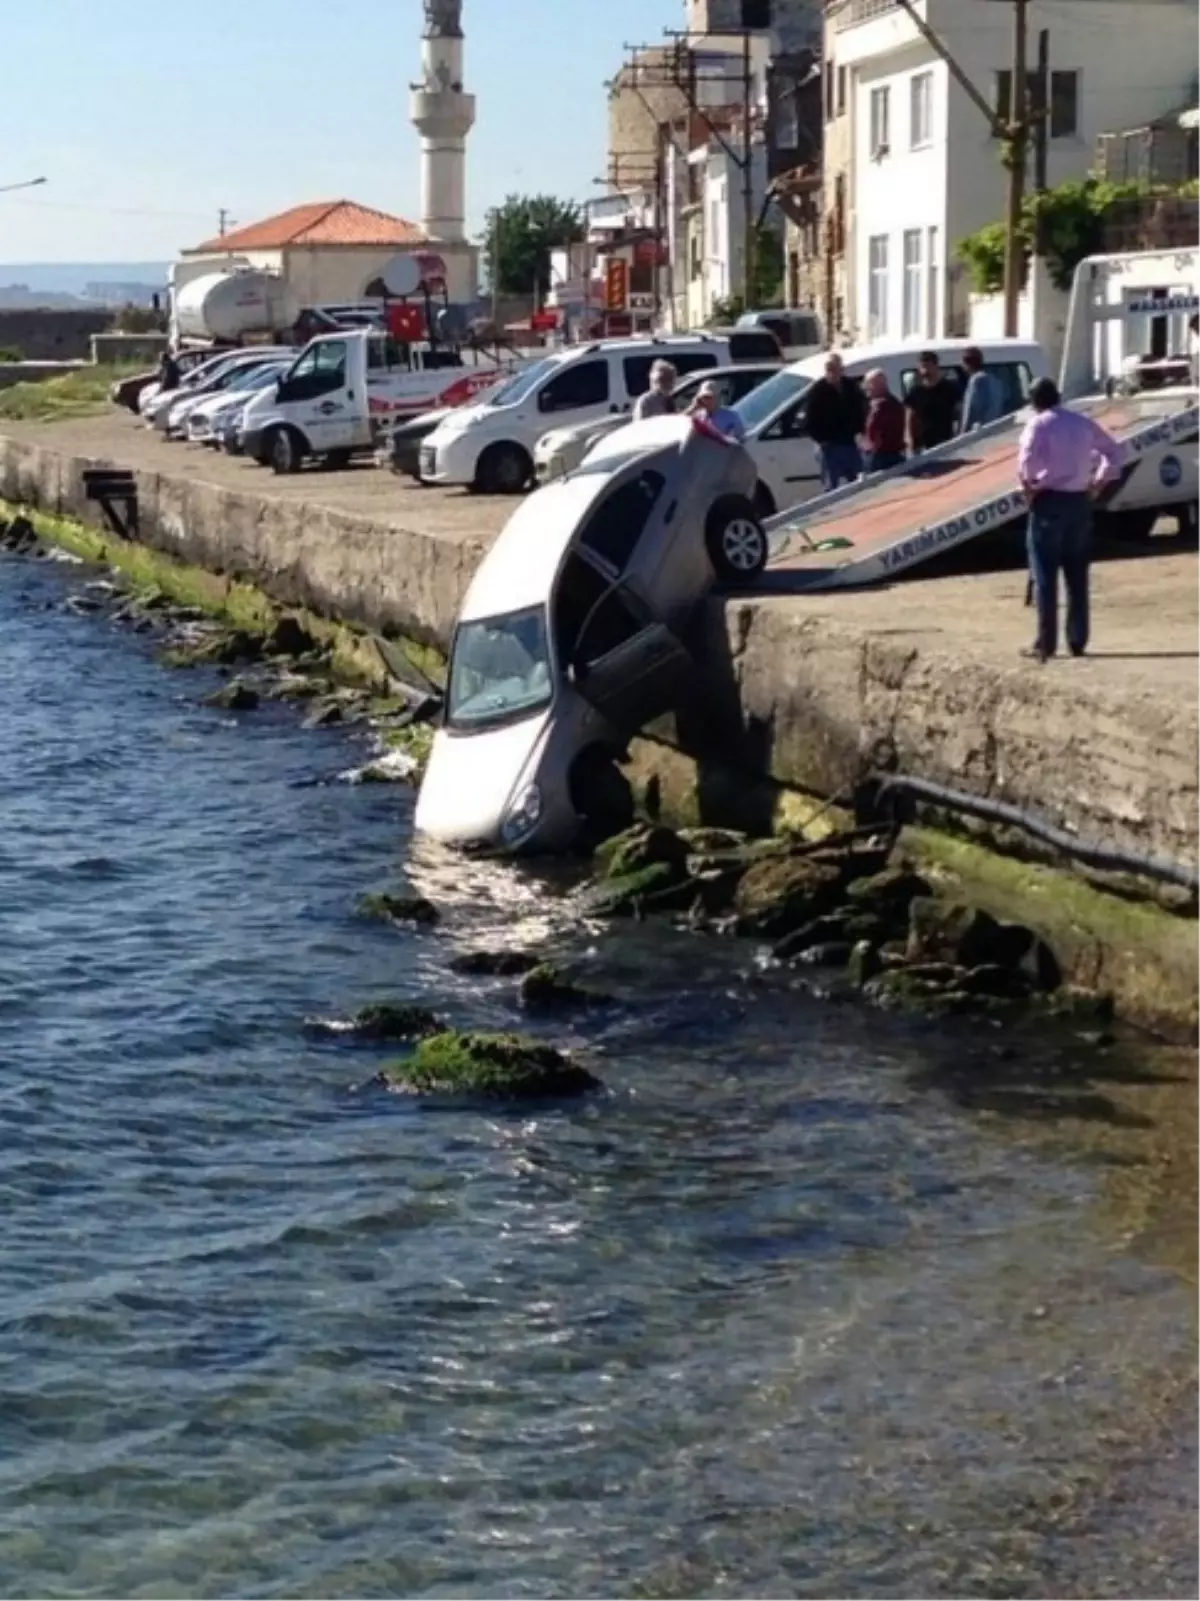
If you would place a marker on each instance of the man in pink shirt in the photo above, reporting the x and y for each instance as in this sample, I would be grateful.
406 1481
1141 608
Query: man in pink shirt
1063 460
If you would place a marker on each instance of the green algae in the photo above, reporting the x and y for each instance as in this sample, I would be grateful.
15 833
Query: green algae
503 1066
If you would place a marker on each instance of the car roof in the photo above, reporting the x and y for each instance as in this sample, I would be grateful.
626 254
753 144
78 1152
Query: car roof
730 368
638 344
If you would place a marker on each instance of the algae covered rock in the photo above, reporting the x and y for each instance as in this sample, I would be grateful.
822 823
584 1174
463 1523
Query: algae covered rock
712 841
494 964
780 894
950 931
864 964
501 1066
235 696
632 893
890 893
288 637
545 989
642 846
397 908
391 1020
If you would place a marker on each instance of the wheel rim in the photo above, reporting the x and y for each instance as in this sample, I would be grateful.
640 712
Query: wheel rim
742 544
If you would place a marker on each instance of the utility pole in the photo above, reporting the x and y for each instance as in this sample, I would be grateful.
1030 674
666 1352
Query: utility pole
1012 131
1016 148
1041 131
747 178
223 220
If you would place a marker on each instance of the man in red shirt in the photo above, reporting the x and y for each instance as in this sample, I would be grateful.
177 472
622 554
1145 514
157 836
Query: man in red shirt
885 424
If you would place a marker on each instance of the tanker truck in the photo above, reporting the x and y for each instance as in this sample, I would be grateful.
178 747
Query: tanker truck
230 307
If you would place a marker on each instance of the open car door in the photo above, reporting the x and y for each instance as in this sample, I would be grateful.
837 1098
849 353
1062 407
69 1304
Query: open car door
627 665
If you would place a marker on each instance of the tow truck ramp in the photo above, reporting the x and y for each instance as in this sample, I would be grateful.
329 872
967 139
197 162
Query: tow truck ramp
888 523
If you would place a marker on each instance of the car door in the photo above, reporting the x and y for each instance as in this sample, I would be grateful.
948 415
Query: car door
578 392
628 665
319 397
786 457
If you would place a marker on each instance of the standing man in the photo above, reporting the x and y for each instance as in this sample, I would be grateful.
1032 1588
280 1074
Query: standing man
932 404
835 415
983 399
723 418
885 423
659 399
1063 460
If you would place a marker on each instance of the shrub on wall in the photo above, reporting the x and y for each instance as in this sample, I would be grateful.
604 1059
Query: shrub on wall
1072 220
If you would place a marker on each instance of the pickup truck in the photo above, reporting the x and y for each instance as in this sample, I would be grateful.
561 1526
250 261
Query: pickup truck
345 387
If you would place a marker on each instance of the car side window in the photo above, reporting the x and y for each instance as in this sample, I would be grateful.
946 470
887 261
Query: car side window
693 361
1014 379
579 587
583 383
637 374
793 424
805 331
610 626
616 525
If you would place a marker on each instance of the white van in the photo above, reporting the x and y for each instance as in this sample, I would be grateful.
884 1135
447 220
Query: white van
798 332
490 446
773 415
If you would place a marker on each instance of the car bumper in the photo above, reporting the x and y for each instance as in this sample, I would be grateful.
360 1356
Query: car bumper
253 443
446 464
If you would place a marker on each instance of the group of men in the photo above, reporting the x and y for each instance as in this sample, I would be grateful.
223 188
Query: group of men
868 428
1064 458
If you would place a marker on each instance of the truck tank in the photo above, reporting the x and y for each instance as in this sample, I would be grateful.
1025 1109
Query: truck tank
228 306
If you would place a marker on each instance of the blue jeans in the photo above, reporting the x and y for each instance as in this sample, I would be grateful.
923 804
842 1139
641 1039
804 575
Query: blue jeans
1059 540
880 460
840 464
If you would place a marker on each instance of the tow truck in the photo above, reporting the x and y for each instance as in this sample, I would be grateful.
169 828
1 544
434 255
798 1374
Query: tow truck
1128 320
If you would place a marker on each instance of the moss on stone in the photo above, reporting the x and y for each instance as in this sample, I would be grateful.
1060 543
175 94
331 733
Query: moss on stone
397 908
547 989
392 1020
505 1066
624 896
415 739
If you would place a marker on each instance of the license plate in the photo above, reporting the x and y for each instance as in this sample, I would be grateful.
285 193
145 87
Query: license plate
428 460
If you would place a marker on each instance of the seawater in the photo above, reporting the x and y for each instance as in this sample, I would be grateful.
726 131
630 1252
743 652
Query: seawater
770 1316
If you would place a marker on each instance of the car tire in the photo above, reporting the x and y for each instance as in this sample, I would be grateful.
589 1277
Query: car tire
600 793
763 501
737 542
284 450
503 469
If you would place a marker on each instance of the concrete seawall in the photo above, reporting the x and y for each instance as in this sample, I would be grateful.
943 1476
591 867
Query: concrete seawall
797 688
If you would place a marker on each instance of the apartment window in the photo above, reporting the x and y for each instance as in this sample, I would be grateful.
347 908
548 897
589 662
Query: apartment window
914 285
932 276
880 118
841 91
829 91
921 110
1064 104
877 285
1004 107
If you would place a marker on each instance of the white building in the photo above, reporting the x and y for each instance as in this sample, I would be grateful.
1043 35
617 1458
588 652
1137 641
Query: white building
924 170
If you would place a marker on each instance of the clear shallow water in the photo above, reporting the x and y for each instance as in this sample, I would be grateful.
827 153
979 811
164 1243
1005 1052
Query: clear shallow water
763 1319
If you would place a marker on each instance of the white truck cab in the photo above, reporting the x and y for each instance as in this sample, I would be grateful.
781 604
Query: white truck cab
773 415
343 387
490 446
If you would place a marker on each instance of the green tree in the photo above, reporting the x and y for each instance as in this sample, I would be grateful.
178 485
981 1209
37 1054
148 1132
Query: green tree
520 235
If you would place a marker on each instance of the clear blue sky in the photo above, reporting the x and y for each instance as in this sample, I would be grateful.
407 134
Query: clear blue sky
147 116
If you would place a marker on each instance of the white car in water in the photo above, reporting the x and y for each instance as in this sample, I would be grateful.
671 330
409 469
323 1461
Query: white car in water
570 636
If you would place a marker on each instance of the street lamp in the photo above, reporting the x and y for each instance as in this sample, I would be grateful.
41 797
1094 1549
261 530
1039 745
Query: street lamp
29 183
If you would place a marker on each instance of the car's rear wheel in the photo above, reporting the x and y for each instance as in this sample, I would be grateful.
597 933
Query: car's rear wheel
503 469
737 542
285 450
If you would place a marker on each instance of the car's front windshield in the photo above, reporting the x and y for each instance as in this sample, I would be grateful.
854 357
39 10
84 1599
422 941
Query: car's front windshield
257 377
761 404
513 390
499 670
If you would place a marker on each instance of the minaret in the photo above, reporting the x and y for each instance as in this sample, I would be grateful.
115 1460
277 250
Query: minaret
442 114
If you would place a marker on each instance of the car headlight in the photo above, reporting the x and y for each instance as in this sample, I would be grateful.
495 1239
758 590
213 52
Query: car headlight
522 816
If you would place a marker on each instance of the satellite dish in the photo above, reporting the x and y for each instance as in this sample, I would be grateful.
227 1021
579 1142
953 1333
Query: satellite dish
401 276
452 325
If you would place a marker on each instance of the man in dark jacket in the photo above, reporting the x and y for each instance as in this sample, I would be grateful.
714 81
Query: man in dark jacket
835 415
933 404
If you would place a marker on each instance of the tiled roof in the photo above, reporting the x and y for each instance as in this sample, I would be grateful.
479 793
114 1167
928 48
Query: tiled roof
324 222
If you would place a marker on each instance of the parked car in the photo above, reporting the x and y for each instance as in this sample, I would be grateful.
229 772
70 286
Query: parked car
209 380
562 449
570 635
128 392
773 415
172 421
750 344
400 448
799 332
205 417
489 446
198 373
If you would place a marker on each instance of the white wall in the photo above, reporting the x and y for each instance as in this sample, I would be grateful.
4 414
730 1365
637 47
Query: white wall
903 192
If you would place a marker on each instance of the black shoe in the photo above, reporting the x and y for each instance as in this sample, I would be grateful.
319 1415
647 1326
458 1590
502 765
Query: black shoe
1035 653
1078 650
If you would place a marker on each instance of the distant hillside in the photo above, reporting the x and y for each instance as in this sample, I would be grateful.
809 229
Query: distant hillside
73 277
